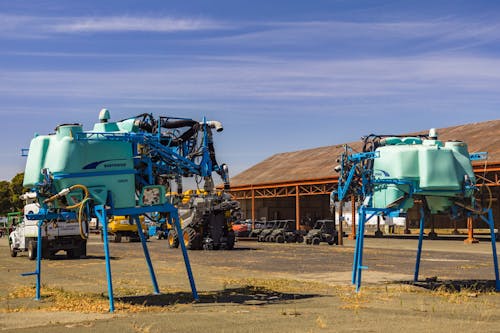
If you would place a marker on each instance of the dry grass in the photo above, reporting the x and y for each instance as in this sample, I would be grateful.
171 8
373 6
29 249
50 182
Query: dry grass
58 299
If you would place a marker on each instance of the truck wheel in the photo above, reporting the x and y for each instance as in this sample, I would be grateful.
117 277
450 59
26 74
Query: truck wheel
172 239
13 252
31 250
316 241
192 239
279 239
83 248
117 238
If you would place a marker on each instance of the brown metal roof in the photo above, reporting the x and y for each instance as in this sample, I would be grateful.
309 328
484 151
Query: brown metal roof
319 162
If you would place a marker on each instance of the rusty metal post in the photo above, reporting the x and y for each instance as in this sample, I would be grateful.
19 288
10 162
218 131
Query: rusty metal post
352 236
470 232
341 221
297 208
253 208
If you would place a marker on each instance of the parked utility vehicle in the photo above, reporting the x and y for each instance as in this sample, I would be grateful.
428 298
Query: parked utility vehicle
56 235
322 231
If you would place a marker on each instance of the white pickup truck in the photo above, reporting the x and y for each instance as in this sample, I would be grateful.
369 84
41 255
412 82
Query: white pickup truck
56 235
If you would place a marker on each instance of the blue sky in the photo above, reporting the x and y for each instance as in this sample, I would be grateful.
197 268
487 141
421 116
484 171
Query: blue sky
280 75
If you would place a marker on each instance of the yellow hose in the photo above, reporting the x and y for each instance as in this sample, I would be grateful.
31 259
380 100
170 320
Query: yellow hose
79 205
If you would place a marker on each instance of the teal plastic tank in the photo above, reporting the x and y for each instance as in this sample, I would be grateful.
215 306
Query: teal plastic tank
435 170
101 165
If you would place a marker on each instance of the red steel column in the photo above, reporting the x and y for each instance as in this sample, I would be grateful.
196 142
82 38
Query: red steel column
253 208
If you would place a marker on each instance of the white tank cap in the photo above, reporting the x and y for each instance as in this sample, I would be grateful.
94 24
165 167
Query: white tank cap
104 115
433 134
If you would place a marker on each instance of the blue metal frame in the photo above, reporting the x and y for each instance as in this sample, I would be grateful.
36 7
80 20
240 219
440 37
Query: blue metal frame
358 250
102 213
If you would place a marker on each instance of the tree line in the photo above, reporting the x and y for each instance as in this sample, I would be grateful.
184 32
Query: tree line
9 194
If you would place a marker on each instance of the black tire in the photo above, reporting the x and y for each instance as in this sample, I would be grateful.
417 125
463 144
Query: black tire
32 250
73 253
279 239
260 239
83 248
172 239
230 240
13 252
316 241
117 238
267 238
308 241
191 238
300 239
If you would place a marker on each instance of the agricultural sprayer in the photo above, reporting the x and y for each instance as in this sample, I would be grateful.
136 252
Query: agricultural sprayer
122 168
393 173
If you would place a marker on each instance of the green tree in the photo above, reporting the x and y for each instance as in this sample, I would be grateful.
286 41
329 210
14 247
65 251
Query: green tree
5 197
16 186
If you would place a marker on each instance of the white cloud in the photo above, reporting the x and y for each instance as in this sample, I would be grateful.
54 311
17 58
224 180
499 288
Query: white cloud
128 23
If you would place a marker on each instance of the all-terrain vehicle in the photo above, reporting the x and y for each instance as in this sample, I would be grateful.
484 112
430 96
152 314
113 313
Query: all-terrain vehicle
265 234
286 232
322 231
257 229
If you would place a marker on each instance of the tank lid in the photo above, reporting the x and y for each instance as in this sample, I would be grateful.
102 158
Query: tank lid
104 115
433 134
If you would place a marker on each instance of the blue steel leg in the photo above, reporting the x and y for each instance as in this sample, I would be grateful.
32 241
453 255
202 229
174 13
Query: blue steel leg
38 259
101 215
491 224
360 266
419 248
146 253
38 269
177 224
356 248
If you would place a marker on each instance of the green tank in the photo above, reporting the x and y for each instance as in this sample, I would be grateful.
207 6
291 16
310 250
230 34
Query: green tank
100 165
435 170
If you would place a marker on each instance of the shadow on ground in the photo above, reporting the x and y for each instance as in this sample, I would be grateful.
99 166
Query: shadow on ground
247 295
454 285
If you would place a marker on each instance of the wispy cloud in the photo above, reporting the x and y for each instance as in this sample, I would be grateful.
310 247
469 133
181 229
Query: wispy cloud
37 26
128 23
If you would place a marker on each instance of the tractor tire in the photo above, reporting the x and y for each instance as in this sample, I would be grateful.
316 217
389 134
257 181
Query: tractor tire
32 253
230 240
279 239
173 239
316 241
13 252
192 239
117 238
